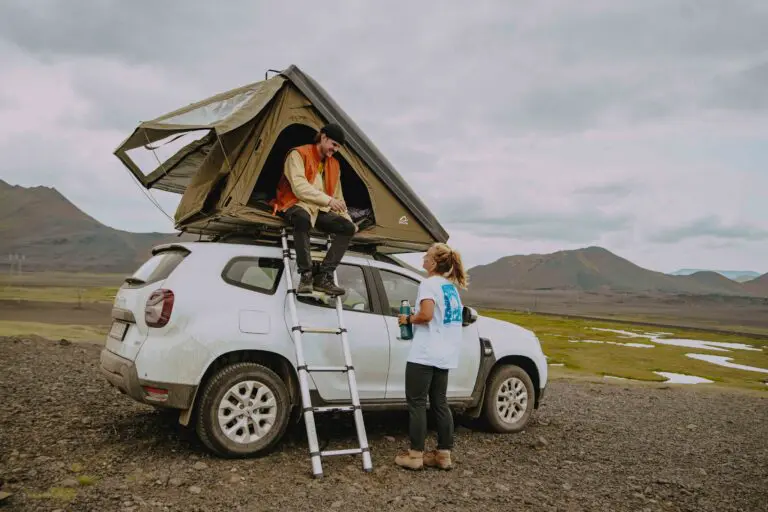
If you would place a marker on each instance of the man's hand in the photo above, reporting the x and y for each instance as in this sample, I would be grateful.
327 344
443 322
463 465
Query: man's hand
337 205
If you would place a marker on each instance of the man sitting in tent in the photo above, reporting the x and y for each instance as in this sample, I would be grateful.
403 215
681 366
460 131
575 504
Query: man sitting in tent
309 195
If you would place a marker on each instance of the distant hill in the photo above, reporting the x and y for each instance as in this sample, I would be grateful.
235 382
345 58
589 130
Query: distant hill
53 234
740 276
758 286
594 269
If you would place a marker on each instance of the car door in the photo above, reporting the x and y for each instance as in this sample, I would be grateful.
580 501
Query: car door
366 332
397 286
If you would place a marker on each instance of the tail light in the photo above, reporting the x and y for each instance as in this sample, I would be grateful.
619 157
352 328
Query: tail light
158 309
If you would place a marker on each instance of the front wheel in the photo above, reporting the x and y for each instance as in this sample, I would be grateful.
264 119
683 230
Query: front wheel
244 410
509 399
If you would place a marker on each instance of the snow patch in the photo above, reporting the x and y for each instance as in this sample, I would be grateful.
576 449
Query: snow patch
725 361
679 378
635 345
655 337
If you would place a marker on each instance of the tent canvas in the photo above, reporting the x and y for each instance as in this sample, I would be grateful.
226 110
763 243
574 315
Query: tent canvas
225 154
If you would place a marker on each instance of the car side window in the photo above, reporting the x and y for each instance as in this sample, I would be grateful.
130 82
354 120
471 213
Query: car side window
398 287
352 279
256 274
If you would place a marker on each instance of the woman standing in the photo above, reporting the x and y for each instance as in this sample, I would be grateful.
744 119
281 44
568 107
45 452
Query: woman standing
437 326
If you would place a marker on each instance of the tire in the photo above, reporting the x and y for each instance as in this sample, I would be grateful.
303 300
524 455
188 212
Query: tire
231 383
506 417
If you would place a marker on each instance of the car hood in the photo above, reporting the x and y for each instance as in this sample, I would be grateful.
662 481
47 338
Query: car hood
505 334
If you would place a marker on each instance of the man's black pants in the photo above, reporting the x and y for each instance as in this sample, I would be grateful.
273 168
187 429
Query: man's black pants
327 222
423 381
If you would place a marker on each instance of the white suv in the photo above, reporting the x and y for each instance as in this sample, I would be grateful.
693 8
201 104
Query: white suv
204 328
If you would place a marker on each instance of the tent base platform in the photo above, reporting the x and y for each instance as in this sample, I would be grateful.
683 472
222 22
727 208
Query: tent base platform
229 229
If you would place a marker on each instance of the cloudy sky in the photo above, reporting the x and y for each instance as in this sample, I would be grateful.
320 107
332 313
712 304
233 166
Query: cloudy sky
527 127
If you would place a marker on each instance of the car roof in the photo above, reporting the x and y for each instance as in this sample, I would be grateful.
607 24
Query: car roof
260 248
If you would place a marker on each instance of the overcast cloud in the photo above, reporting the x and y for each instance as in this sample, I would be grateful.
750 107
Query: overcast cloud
526 127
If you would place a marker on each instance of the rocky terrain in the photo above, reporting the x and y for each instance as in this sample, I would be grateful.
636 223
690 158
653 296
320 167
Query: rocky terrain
70 442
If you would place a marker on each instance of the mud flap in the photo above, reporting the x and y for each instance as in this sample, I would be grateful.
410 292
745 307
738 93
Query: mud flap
185 415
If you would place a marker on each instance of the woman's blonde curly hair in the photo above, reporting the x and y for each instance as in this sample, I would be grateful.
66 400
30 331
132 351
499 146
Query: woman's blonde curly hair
449 265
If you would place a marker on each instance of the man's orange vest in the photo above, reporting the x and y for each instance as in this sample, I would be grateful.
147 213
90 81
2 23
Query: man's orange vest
285 198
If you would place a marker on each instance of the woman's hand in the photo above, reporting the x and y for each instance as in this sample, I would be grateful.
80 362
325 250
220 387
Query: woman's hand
402 319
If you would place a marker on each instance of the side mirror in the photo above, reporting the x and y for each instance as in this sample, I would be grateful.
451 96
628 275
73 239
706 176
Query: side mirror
468 316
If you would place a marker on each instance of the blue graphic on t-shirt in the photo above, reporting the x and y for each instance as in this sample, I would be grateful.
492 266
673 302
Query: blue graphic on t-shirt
452 304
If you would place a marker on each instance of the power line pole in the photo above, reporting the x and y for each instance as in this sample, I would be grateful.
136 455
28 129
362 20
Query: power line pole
15 263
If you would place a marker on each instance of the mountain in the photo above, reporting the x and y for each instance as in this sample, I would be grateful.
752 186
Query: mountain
54 234
594 269
740 276
758 286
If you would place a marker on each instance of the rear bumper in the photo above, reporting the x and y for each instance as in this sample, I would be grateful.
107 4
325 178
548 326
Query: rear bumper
122 374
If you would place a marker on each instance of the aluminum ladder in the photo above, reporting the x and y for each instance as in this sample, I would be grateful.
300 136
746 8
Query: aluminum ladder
297 331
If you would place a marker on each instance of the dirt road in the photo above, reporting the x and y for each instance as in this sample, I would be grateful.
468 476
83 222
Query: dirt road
89 313
606 447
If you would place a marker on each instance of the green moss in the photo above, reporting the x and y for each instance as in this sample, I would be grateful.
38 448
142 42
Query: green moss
86 480
64 494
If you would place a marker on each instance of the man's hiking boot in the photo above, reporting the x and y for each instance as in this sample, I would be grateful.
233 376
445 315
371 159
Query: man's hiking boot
305 283
324 283
438 459
410 459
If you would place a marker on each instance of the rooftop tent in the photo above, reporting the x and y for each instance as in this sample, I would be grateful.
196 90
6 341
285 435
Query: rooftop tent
225 155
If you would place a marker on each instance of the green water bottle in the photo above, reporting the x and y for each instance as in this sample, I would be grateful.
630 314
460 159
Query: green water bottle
406 330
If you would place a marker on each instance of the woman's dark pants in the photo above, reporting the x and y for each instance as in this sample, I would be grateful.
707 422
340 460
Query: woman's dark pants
422 382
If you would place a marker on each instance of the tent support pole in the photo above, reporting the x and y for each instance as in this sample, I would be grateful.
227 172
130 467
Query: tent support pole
223 150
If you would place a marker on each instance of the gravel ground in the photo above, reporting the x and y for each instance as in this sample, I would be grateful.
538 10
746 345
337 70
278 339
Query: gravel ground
591 446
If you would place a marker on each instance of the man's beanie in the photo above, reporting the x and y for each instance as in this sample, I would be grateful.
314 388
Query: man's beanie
334 131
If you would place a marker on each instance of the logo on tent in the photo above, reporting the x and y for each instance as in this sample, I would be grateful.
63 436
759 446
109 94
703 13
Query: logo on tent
404 220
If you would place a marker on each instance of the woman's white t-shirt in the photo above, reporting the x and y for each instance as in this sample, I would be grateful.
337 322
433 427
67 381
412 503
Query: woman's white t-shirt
437 343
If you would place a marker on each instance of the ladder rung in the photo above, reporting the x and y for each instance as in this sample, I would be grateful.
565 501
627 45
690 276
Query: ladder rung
350 451
340 369
320 330
339 408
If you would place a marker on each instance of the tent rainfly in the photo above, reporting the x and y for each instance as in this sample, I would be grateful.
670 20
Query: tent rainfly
225 155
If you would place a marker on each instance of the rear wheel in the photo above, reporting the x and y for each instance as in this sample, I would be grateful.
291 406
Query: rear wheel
509 399
244 410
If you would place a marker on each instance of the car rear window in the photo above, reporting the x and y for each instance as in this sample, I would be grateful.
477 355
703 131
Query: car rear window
158 267
252 273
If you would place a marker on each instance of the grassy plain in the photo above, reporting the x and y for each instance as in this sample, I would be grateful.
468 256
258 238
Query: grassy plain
57 305
556 334
58 294
54 331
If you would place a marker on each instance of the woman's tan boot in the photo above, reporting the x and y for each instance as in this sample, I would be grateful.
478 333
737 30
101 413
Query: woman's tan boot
438 459
411 459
